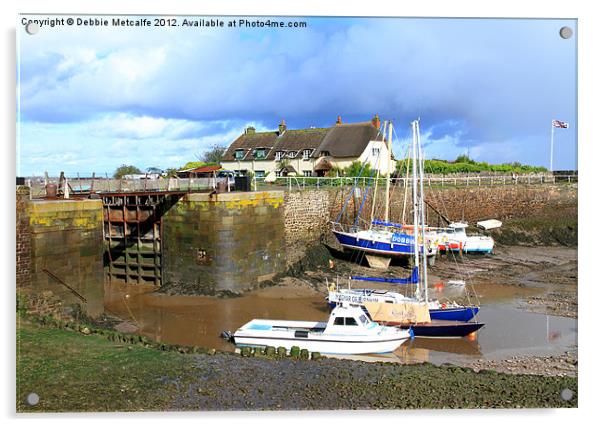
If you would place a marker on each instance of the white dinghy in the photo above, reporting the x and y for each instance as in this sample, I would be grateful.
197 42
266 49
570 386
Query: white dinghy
349 330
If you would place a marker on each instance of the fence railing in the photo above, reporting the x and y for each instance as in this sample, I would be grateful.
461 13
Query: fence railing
38 186
298 183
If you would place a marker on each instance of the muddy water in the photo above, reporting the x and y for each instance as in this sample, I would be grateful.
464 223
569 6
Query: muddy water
199 321
507 332
193 320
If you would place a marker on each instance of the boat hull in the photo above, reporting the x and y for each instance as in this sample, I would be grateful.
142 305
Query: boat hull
441 329
349 241
326 346
463 314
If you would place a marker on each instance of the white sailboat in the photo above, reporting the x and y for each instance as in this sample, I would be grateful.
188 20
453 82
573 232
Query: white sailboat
381 240
395 309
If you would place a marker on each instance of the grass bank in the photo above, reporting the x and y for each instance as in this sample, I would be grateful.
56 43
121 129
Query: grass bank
554 226
70 371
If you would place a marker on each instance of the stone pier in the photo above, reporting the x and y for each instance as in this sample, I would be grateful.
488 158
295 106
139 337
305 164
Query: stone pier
67 246
223 243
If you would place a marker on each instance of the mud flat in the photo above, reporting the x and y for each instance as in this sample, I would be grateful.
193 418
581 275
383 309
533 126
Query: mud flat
562 365
74 372
546 276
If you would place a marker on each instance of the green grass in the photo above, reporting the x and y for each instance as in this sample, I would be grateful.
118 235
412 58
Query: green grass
74 372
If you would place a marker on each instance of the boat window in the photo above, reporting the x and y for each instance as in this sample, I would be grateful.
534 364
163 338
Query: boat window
350 321
339 321
364 319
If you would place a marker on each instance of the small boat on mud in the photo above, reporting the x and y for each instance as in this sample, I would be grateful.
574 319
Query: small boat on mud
454 238
349 330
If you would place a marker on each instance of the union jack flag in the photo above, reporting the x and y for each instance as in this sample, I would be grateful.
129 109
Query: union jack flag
559 124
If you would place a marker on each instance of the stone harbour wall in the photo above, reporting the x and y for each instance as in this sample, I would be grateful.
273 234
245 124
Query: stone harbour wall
66 240
308 213
223 243
23 238
307 208
503 203
306 221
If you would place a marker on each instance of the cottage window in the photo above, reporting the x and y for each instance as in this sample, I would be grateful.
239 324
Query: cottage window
259 174
306 154
292 154
306 173
375 152
324 153
278 174
279 155
259 153
239 154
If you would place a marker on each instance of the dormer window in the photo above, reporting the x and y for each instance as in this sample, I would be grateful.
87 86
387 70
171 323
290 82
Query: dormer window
306 154
239 154
324 153
279 155
292 154
259 153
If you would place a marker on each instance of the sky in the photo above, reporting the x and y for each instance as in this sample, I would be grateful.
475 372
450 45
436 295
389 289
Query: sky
93 98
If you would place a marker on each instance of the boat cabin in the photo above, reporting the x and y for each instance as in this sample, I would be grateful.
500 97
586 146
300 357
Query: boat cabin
346 319
457 228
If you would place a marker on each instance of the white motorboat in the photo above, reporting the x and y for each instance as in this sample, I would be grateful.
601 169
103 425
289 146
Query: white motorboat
349 330
454 238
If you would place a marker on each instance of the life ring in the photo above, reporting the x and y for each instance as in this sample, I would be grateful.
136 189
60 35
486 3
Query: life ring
443 305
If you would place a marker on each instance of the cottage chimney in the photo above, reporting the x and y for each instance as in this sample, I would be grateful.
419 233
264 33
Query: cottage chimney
250 130
281 127
339 121
376 121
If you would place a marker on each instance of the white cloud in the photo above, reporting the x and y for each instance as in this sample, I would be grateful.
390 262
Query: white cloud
104 144
129 126
504 79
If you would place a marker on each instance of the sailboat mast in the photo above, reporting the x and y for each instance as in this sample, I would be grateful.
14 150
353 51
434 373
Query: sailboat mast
388 175
376 189
415 202
422 216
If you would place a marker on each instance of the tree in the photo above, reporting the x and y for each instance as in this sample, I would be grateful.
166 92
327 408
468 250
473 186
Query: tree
125 170
214 154
463 158
355 169
171 172
283 162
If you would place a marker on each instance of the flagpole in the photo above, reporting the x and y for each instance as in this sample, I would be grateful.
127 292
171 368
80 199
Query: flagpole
552 148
